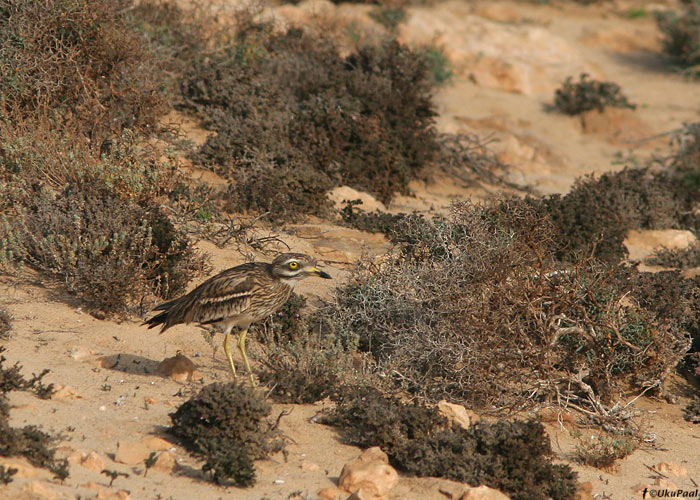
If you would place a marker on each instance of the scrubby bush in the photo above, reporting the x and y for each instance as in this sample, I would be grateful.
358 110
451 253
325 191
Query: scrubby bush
514 457
682 33
603 450
692 411
28 441
226 425
464 301
595 216
5 324
586 95
109 251
80 62
294 118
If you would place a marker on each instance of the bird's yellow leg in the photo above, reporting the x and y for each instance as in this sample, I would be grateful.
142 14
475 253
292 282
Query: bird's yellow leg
227 349
241 347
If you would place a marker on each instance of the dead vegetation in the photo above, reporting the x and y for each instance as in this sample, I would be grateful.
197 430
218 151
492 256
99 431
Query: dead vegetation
587 95
468 299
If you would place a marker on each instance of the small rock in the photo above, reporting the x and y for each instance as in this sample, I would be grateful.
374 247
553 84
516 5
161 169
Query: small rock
131 453
66 392
309 467
24 468
41 490
340 194
76 458
457 414
104 493
93 461
179 368
672 469
331 494
483 493
166 462
156 443
150 401
665 483
371 473
584 491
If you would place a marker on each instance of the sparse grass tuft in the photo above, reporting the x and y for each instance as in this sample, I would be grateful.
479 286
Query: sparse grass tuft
603 450
586 95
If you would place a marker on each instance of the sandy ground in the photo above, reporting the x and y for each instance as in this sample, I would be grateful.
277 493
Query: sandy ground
113 394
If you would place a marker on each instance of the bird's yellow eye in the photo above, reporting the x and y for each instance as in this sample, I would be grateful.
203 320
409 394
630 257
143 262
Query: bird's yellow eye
293 265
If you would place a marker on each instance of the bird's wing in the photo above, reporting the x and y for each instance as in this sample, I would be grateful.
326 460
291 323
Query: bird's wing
220 297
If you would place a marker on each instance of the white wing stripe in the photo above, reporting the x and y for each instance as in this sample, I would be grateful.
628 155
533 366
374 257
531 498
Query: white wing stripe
224 298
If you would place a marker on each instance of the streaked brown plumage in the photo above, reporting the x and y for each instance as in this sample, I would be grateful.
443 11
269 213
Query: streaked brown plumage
238 297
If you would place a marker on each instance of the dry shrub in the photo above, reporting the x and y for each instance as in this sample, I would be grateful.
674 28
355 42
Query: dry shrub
5 324
595 216
294 118
28 441
682 33
692 411
602 450
226 425
586 95
109 251
514 457
477 309
80 61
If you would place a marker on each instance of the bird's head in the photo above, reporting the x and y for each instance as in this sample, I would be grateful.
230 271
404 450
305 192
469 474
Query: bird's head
295 266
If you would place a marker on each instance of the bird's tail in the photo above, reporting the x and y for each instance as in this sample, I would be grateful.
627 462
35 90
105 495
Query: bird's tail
161 318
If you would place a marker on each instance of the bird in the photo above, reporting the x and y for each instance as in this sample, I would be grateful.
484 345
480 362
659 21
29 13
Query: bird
238 297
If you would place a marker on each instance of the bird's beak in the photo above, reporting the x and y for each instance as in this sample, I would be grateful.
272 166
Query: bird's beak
317 272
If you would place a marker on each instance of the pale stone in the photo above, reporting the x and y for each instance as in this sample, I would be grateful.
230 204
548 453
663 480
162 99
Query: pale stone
483 493
309 467
642 243
331 494
66 392
457 414
584 491
342 193
672 469
93 461
370 473
131 453
156 443
41 490
618 126
24 468
525 59
498 13
179 368
104 493
166 462
76 458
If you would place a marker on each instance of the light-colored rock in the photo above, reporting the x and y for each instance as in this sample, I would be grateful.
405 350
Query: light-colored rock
342 193
618 126
77 457
66 392
370 473
38 489
179 367
309 467
104 493
672 469
498 13
156 443
483 493
584 491
93 461
642 243
621 38
525 59
457 414
131 453
24 468
331 494
166 462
